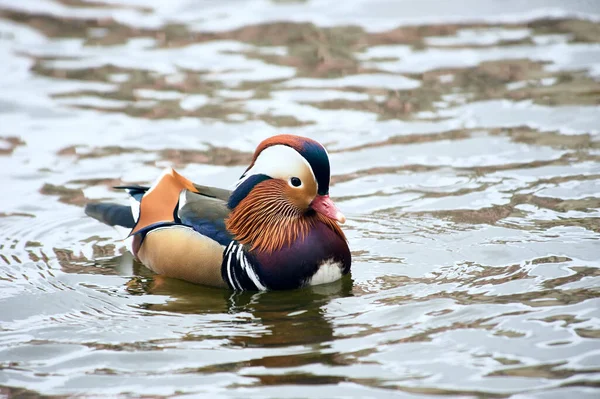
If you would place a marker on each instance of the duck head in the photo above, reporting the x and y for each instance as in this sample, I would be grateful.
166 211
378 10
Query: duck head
282 194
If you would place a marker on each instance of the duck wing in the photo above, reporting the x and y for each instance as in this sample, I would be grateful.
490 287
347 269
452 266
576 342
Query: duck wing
204 208
214 192
177 227
206 215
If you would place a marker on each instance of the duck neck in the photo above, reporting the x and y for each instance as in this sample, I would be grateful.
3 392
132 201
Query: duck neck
266 221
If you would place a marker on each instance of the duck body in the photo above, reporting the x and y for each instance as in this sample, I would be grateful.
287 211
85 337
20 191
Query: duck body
276 230
295 265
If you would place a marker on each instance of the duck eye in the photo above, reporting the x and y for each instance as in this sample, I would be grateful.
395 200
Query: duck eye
296 182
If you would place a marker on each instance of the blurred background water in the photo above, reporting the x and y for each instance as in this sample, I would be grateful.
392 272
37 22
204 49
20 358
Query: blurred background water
464 140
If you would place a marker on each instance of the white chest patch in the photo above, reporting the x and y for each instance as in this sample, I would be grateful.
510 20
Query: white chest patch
328 272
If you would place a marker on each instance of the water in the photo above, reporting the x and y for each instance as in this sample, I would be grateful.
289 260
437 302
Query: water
464 139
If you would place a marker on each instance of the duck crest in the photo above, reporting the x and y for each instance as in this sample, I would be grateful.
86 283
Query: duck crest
313 152
267 222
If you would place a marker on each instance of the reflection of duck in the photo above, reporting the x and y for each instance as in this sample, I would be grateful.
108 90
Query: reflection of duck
277 318
276 230
296 318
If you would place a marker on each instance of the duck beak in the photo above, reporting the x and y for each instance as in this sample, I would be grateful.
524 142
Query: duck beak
325 206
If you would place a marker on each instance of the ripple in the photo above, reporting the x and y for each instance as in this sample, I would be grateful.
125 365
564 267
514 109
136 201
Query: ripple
464 148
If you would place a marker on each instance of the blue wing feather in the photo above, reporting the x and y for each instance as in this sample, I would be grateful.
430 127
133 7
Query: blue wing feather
214 229
206 215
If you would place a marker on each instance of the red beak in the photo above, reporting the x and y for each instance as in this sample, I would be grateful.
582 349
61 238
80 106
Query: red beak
325 206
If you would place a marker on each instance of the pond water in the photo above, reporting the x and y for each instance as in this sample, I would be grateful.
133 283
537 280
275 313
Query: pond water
465 149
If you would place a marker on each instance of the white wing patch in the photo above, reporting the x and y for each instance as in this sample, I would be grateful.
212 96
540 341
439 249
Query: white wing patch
135 208
328 272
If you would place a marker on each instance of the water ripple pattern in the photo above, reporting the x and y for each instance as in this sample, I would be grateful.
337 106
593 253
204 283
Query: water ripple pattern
464 140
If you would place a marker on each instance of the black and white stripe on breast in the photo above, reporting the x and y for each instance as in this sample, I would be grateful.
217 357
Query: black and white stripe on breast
238 270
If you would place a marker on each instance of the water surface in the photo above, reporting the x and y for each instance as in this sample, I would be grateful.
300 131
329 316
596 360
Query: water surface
464 140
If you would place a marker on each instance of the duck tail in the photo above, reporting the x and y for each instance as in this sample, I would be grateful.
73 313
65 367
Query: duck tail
111 214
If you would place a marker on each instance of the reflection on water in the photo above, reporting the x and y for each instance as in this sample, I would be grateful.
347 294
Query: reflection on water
464 143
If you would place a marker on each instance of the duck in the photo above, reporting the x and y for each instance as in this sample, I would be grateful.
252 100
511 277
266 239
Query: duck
278 229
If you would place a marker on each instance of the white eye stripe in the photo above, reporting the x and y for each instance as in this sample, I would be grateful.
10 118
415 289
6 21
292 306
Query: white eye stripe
280 162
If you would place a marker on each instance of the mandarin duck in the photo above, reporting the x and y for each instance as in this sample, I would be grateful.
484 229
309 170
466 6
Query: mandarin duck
278 229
